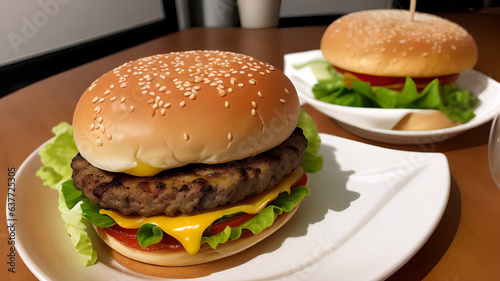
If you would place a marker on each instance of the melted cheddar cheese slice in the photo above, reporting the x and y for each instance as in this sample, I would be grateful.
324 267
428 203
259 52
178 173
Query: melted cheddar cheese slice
188 229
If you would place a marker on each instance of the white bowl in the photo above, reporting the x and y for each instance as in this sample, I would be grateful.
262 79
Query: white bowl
376 123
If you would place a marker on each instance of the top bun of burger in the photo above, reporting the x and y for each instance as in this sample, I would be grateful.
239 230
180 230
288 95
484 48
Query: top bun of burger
169 110
390 43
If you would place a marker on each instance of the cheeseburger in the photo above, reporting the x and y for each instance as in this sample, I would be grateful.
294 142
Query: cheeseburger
384 47
184 152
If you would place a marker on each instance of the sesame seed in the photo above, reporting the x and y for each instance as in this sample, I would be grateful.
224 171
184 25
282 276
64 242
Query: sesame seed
167 105
111 86
132 108
241 84
233 81
286 91
152 93
123 85
103 129
144 92
254 112
122 100
95 100
192 96
260 94
254 104
182 104
220 87
186 137
108 136
107 92
226 104
92 126
98 142
97 109
230 90
97 126
198 80
229 137
282 100
100 119
252 81
155 106
101 100
163 111
113 98
425 54
222 93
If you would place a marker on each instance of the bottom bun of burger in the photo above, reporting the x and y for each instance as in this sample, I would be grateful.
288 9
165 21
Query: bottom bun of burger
206 253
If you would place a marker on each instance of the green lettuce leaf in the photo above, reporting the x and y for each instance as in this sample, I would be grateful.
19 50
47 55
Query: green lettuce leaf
149 234
283 203
457 104
56 156
90 210
311 162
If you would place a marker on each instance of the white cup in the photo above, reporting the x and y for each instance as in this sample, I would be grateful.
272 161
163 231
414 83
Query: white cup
259 13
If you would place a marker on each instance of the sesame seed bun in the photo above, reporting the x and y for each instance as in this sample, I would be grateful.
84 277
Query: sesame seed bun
183 258
169 110
389 43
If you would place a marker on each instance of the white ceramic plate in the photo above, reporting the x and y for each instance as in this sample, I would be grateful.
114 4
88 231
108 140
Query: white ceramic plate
367 215
376 123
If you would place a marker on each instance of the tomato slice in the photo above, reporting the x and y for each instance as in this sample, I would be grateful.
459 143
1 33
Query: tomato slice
129 237
302 181
168 243
395 82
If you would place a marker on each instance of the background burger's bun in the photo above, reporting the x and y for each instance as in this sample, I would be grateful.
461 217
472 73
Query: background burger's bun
174 109
389 43
206 253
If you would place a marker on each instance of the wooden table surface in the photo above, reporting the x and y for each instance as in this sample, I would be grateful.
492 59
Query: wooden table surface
466 243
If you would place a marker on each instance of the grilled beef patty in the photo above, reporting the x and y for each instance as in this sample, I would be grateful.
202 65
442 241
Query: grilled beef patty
195 186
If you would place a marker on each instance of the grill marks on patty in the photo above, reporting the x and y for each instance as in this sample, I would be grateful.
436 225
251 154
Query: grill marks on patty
192 187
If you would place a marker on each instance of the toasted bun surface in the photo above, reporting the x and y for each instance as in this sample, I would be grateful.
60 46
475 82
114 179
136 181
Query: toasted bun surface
389 43
174 109
206 253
